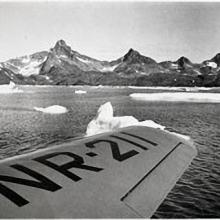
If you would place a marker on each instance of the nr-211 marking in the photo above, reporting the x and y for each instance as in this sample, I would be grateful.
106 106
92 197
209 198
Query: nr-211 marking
43 182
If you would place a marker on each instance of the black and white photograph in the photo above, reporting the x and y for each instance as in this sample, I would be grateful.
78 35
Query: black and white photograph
109 109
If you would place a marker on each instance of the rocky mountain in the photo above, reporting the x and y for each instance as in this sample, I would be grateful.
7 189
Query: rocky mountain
63 66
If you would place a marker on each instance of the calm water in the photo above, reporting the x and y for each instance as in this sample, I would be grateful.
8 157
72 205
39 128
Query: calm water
196 194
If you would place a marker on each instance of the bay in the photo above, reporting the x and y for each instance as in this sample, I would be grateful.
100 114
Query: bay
196 194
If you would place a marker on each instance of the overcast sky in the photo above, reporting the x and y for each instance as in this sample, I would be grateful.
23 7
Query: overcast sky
106 30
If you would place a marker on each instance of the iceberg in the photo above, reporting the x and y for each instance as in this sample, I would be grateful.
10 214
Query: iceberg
104 121
9 88
198 97
54 109
80 91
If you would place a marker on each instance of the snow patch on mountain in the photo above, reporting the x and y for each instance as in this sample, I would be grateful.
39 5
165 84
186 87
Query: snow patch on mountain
108 68
31 69
198 73
83 60
140 72
9 65
46 77
26 59
62 56
25 66
211 64
174 65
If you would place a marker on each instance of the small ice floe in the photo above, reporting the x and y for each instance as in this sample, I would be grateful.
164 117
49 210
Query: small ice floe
197 97
54 109
9 88
191 89
104 121
99 87
173 88
80 91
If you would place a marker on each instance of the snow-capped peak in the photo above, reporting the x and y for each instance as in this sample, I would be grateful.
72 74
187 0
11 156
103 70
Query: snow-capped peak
25 59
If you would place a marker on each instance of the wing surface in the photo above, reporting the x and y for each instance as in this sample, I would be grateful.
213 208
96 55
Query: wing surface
121 174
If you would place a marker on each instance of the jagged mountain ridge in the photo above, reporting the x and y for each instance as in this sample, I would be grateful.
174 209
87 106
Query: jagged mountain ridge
63 53
63 66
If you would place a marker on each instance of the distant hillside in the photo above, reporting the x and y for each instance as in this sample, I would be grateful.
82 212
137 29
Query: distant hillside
63 66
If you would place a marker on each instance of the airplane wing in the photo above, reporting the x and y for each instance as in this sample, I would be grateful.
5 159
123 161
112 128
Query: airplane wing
121 174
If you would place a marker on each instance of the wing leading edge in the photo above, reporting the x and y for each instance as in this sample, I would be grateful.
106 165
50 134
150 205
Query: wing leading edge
122 174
